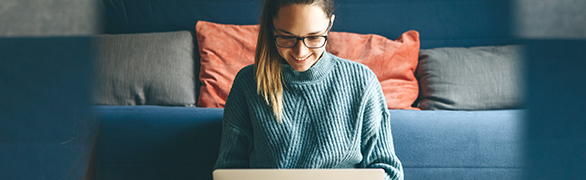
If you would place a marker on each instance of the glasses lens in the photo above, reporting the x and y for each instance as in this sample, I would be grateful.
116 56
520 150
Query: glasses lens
315 41
286 42
310 41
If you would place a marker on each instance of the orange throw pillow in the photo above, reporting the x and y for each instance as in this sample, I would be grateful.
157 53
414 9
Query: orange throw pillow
393 62
225 49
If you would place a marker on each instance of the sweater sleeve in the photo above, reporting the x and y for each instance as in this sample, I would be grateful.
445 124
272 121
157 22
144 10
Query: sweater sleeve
377 141
236 142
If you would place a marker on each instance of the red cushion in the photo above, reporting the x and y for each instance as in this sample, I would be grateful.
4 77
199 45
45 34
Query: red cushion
393 62
225 49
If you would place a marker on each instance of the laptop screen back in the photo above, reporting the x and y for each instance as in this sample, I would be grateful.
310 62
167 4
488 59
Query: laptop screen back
299 174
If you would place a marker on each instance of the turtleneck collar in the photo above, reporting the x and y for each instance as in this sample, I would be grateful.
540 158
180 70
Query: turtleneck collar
316 72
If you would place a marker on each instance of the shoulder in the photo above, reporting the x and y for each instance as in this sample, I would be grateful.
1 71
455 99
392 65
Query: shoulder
245 76
247 70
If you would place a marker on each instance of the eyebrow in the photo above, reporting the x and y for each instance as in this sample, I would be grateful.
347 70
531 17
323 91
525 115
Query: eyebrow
311 33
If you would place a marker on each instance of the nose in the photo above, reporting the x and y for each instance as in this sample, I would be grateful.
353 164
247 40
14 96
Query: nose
300 49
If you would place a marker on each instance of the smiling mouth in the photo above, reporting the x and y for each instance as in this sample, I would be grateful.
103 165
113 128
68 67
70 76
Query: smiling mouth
301 59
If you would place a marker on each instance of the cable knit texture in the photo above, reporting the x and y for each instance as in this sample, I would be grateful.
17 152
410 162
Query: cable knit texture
335 116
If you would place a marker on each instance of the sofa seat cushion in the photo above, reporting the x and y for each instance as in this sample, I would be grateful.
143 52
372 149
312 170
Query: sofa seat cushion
155 142
444 144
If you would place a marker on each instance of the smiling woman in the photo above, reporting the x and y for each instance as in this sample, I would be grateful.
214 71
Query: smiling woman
295 21
287 17
309 108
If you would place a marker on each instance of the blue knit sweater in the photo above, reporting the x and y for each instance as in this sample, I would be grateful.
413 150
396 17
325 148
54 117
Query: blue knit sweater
335 116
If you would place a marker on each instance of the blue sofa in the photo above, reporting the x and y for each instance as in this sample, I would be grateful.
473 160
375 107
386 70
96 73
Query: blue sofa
169 142
156 142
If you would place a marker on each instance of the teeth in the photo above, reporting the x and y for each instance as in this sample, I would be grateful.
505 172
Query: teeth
299 59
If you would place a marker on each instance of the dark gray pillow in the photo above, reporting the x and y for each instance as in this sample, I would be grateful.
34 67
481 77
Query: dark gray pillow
145 69
477 78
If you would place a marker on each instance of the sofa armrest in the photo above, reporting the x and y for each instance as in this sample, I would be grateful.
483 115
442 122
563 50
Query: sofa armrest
155 142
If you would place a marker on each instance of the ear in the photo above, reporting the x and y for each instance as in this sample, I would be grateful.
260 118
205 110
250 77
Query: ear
332 22
332 19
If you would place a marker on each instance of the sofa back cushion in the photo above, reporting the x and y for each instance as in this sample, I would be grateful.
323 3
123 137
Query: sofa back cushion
441 22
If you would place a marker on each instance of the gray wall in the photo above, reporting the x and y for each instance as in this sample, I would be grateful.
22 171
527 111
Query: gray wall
49 17
549 19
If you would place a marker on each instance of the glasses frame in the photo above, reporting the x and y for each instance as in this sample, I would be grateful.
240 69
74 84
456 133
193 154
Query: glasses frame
303 38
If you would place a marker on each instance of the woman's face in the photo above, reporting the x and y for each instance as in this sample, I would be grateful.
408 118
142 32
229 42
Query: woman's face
301 21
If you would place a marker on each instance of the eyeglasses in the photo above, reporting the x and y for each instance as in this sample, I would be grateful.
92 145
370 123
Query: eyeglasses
311 42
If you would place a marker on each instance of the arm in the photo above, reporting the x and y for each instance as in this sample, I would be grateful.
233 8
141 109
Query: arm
236 141
377 141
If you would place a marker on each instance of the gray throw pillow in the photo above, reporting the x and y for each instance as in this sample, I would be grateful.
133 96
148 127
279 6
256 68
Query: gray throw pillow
145 69
476 78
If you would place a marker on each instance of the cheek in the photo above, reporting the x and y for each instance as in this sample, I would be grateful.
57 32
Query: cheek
283 52
318 52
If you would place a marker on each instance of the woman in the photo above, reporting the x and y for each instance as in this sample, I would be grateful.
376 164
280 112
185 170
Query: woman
309 108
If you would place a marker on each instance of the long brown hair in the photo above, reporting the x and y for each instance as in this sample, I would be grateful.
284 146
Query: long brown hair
267 61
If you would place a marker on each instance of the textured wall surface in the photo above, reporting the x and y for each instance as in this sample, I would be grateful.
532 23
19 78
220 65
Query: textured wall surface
549 19
534 18
49 17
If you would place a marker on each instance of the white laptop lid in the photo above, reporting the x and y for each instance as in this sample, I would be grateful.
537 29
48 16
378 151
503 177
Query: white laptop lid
299 174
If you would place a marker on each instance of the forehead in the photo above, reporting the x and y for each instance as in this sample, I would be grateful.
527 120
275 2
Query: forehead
301 19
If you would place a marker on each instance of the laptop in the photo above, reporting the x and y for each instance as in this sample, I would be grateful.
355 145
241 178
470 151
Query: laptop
299 174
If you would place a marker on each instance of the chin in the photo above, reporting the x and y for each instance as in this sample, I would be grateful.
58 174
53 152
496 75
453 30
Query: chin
303 67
